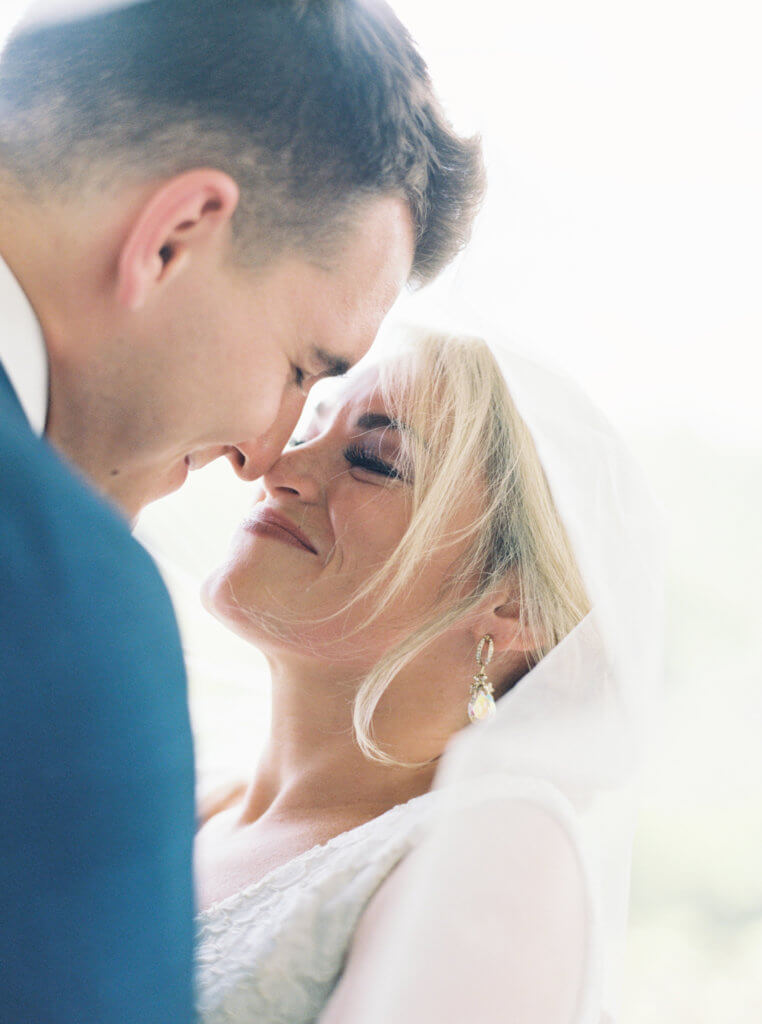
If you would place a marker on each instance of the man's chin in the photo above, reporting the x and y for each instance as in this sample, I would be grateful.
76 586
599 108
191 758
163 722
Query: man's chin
134 493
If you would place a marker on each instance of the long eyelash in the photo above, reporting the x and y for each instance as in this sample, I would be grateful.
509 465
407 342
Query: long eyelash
299 377
356 455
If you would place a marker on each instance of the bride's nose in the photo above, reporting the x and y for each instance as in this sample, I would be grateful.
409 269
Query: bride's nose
296 472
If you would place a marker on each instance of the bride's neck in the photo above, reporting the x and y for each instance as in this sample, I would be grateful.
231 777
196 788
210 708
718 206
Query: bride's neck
312 765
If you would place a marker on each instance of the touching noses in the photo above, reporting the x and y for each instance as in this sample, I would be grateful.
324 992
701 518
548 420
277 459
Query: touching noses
253 459
248 460
296 472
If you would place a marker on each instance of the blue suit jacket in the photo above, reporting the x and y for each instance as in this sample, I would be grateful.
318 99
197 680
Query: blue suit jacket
96 773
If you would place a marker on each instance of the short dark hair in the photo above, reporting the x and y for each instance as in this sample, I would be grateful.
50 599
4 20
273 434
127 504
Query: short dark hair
312 106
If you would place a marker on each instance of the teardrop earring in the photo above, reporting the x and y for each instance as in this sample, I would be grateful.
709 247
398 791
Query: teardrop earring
481 703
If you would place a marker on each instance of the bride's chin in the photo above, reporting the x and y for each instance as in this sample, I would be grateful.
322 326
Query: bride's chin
206 594
218 598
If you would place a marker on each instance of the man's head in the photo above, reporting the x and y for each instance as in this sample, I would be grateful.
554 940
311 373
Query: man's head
218 187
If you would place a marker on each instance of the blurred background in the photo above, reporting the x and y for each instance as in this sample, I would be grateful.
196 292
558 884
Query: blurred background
621 241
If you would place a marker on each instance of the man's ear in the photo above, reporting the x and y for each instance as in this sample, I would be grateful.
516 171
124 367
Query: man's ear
184 212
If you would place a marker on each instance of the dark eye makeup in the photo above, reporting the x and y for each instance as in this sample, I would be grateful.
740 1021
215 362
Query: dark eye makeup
365 458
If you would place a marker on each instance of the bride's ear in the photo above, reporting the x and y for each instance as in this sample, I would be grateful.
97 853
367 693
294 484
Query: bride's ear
500 617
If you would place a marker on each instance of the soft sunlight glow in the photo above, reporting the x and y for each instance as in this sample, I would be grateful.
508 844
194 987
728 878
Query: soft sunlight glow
620 237
10 14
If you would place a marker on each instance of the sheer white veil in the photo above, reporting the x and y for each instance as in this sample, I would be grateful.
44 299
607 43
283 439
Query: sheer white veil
570 736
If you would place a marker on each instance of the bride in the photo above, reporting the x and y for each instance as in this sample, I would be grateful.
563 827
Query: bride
404 567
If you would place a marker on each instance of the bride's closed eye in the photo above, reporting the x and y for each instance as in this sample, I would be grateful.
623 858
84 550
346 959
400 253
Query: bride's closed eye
363 457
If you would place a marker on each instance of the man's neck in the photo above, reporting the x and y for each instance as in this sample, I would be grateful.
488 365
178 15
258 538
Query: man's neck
60 269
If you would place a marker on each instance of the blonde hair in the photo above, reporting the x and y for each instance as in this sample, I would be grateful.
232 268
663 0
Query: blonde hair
467 434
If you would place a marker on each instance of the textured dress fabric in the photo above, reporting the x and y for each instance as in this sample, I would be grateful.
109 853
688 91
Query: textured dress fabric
273 952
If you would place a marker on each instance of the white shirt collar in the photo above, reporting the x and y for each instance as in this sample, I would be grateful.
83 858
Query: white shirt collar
22 349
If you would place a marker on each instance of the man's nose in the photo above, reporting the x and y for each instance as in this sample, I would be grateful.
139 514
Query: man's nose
252 459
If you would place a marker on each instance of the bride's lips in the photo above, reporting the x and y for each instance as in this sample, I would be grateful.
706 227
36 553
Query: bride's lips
269 523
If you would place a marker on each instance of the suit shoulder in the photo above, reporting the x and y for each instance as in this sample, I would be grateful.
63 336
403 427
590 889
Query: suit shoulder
53 518
68 558
84 614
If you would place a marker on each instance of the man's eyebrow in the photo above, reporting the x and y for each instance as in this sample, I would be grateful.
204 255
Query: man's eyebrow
333 366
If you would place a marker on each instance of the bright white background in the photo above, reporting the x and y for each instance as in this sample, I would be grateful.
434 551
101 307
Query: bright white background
622 240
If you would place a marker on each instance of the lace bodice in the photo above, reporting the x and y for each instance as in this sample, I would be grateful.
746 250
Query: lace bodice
272 953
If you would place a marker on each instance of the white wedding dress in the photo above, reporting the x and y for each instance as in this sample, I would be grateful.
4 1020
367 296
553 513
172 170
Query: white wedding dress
272 953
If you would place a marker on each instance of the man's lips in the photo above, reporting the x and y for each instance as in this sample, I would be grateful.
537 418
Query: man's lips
267 521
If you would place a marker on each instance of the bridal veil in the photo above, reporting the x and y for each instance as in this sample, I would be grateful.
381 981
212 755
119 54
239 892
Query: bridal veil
568 738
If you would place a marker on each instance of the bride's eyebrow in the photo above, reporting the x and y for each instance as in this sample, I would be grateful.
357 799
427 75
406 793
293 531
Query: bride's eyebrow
377 420
380 421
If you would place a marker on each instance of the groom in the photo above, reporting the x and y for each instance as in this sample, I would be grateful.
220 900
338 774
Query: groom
204 208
